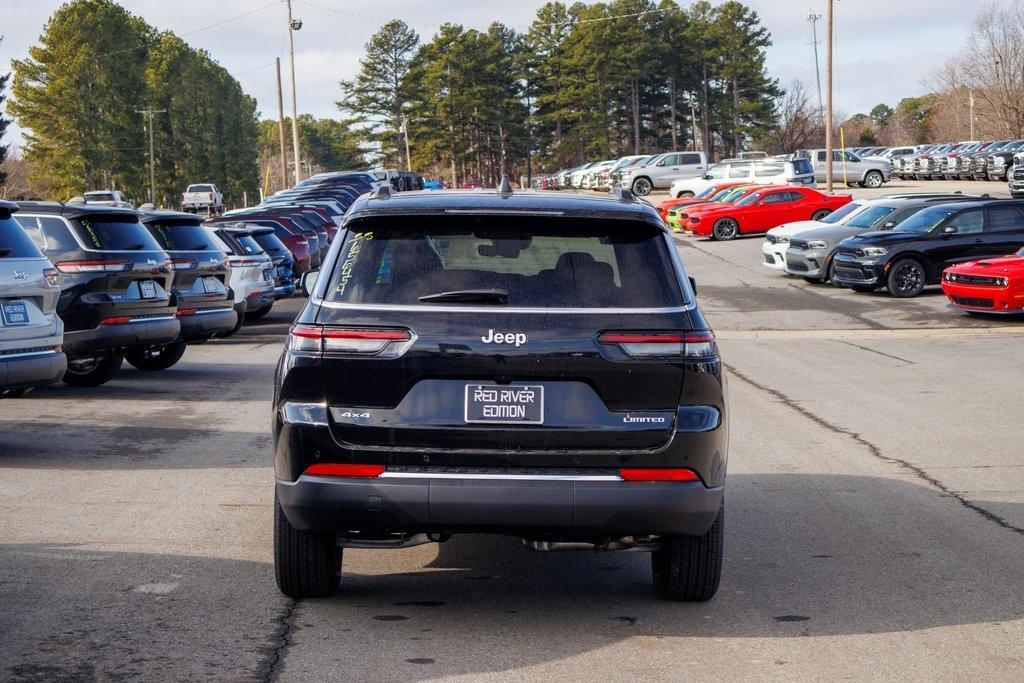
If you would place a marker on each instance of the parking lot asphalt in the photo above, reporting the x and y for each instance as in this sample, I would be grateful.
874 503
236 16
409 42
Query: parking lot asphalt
875 522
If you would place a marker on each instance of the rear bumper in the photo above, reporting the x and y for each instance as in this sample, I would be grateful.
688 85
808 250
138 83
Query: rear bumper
284 291
139 332
205 323
39 369
567 506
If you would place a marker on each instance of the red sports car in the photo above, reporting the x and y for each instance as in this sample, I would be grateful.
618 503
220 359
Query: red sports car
993 285
707 195
761 211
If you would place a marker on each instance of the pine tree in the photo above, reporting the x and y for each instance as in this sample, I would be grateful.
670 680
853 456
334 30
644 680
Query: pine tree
381 88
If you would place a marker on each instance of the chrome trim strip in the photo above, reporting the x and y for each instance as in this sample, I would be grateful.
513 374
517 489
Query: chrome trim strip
497 309
27 354
153 319
207 311
499 477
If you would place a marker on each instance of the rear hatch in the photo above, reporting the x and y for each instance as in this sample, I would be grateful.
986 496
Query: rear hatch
505 334
28 292
200 267
123 274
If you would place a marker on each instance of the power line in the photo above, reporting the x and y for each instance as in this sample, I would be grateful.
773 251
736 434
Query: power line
437 24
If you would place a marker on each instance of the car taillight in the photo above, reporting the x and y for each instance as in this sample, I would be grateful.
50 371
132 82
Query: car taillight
184 263
378 342
330 469
116 320
658 474
302 241
696 346
51 275
187 311
93 266
242 262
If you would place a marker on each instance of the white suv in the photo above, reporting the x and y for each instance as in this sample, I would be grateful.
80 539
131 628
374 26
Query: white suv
251 278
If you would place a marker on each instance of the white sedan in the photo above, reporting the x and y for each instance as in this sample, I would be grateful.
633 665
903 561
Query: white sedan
776 241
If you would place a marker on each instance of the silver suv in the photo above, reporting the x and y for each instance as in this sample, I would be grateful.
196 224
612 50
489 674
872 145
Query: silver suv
31 334
661 172
849 168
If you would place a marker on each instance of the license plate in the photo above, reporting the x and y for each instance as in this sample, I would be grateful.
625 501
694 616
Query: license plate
148 289
508 404
14 313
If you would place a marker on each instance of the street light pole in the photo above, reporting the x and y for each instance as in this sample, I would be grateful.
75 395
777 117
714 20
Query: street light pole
828 101
149 114
293 26
280 126
814 18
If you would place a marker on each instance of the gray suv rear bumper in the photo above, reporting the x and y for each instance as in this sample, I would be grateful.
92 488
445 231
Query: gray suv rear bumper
576 506
21 371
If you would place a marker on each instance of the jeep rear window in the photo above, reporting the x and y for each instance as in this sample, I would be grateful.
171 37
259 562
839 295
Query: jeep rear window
14 243
114 233
182 237
539 262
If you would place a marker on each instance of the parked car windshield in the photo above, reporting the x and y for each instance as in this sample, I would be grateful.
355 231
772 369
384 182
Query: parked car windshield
99 196
114 233
14 243
542 263
182 237
925 221
869 216
842 212
199 188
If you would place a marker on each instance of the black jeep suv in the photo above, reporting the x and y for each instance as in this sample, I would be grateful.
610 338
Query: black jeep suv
530 364
115 282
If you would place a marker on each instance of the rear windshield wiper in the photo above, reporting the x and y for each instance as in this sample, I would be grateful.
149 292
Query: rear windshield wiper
468 296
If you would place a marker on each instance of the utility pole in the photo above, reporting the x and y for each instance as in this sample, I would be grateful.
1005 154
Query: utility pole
828 102
280 126
293 26
814 18
149 114
405 130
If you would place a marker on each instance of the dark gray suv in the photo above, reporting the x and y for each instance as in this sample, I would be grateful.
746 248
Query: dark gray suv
530 364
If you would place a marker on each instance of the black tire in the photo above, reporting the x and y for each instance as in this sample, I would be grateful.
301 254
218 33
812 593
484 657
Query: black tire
159 358
907 278
814 280
642 187
258 313
307 564
685 194
93 374
820 214
832 274
689 568
725 229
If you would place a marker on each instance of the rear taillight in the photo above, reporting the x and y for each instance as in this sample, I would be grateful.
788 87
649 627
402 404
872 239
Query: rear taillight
658 474
184 263
330 469
51 276
696 346
93 266
379 342
187 311
242 262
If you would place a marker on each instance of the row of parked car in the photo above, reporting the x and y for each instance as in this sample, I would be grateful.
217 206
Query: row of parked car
967 160
84 286
973 246
686 174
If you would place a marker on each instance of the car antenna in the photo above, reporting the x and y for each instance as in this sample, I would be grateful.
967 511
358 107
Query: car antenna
504 187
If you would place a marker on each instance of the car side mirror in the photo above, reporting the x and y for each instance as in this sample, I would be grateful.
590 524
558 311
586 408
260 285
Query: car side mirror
693 285
951 230
889 225
309 280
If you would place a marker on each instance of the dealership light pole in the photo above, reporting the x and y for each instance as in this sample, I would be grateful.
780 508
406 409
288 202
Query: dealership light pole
293 26
280 126
828 101
814 18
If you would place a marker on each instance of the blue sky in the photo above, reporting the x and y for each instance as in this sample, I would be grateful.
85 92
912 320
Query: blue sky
885 49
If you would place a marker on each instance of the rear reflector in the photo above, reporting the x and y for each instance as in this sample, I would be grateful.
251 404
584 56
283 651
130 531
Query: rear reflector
699 345
327 469
385 342
187 311
118 320
658 474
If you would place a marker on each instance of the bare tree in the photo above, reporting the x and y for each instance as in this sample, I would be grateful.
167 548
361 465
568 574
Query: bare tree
798 124
16 184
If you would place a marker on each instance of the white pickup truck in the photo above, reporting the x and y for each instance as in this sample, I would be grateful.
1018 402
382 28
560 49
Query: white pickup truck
202 198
